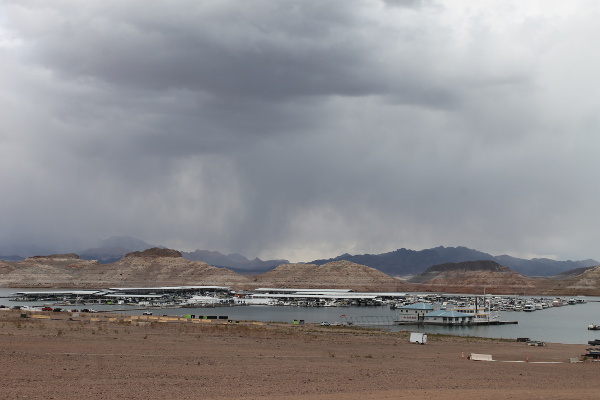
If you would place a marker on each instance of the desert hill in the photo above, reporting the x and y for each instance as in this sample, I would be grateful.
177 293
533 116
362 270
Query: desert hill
571 273
585 283
335 275
475 277
461 269
152 267
44 271
167 267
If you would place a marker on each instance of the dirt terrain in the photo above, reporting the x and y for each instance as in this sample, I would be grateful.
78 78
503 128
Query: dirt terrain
108 356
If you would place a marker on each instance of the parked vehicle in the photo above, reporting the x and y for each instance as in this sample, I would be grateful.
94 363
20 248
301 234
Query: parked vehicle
535 343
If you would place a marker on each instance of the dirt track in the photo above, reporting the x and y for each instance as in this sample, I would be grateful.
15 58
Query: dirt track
61 359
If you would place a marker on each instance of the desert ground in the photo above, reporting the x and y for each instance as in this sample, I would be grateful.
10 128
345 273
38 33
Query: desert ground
61 356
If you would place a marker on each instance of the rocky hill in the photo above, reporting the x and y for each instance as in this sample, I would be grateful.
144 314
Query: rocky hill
166 267
475 277
571 273
59 270
334 275
451 270
153 267
586 283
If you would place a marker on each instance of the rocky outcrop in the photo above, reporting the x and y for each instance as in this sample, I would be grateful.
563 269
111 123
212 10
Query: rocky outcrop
54 258
154 252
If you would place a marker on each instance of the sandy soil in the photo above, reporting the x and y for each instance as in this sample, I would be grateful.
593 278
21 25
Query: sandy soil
97 358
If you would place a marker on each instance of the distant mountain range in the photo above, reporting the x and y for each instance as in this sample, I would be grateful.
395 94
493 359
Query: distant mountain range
235 262
406 263
403 263
167 267
107 251
116 247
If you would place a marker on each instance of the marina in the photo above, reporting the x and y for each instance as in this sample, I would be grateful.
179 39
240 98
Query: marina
566 323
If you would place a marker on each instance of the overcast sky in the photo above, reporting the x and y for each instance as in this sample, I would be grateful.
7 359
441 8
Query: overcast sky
302 129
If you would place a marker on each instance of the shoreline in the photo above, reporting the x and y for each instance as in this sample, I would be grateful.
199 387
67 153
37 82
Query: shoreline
111 355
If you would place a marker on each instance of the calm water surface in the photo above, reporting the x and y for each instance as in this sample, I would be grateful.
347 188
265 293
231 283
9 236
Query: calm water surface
567 324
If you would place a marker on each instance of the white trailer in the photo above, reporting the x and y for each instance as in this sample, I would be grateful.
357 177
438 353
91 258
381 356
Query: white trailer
418 338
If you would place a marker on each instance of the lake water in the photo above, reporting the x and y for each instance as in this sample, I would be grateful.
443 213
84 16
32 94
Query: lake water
567 324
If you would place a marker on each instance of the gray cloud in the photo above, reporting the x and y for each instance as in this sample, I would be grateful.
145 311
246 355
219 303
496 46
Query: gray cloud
300 129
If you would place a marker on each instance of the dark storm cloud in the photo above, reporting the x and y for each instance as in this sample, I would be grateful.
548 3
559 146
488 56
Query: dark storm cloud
257 49
299 129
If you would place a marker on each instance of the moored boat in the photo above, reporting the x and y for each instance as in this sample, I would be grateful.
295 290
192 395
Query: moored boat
593 327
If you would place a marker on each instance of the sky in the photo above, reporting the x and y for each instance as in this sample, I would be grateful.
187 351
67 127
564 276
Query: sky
302 129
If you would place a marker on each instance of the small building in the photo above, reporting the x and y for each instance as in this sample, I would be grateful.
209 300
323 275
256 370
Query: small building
444 317
413 313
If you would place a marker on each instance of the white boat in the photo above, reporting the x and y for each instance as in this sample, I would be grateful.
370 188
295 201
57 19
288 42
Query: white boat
529 307
199 301
557 303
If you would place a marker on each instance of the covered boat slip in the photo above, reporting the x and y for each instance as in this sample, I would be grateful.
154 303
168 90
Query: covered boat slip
322 297
58 295
105 296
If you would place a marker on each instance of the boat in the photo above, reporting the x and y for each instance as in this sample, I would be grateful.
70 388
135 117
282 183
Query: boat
482 314
593 327
529 307
557 303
